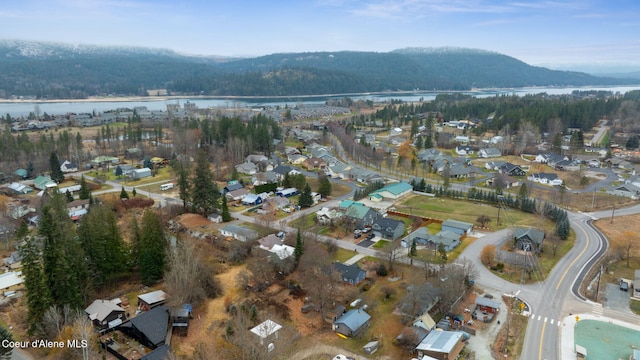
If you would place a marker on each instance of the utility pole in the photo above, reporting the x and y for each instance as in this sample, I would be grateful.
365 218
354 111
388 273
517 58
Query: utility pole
593 199
612 212
498 222
598 286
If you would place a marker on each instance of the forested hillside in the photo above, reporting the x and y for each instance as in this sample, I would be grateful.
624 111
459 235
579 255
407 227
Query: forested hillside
44 70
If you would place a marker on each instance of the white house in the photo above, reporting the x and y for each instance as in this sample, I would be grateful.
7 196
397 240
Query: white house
545 178
67 166
489 153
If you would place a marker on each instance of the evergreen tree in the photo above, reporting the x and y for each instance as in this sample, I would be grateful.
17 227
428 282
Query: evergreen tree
23 231
35 281
123 194
30 169
205 192
234 174
306 199
226 216
325 187
68 196
118 171
64 266
85 193
183 183
442 252
151 250
134 192
413 251
299 248
563 227
56 172
5 336
106 251
286 182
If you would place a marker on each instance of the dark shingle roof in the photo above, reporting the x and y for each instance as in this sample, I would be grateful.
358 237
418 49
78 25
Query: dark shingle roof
153 324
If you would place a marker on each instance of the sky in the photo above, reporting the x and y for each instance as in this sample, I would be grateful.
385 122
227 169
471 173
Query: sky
553 32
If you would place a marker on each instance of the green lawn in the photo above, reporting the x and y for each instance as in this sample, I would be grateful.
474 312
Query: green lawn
468 211
634 305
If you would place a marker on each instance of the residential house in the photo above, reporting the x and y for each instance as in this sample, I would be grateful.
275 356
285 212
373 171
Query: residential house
494 165
282 170
267 331
140 173
360 215
554 159
528 239
505 181
459 227
338 171
314 163
351 274
105 160
149 328
9 279
14 261
67 166
626 190
618 163
489 153
251 200
291 151
352 323
257 159
43 182
296 159
237 195
275 203
239 233
325 215
386 228
21 173
262 178
545 178
231 186
429 154
162 352
421 236
425 321
464 150
567 165
461 139
459 171
150 300
105 314
512 170
19 188
248 168
77 208
441 345
133 153
395 132
216 218
126 169
394 191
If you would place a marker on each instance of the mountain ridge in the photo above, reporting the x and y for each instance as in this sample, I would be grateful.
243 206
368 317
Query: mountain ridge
58 70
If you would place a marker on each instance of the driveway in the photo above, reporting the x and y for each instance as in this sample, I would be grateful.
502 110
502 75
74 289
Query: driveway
616 299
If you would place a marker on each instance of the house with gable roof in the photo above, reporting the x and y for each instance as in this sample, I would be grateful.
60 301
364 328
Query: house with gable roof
386 228
459 227
352 323
351 274
361 215
105 313
441 345
528 239
489 153
149 328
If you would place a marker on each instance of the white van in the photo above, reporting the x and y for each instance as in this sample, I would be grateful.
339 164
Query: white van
168 186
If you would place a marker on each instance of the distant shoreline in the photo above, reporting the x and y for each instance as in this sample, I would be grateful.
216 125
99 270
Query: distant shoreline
293 97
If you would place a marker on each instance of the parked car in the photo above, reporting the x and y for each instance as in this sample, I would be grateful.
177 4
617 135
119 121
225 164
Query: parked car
357 235
370 236
624 286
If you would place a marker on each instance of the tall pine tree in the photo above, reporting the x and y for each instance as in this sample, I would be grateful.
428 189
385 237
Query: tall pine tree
305 200
35 281
205 192
151 251
85 193
56 172
101 240
226 216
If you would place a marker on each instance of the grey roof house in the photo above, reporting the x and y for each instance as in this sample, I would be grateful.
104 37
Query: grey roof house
239 232
386 228
351 274
528 239
149 328
459 227
352 322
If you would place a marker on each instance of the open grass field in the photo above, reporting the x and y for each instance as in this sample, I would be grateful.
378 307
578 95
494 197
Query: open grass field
467 211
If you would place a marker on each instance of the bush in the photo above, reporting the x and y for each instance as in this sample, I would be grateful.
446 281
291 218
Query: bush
382 270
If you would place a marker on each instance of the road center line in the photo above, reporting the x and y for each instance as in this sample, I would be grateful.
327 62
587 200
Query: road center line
576 258
544 325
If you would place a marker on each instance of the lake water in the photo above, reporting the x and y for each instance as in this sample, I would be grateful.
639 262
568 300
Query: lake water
17 109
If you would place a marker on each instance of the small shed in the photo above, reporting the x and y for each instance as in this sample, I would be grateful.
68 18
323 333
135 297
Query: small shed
371 347
141 173
151 299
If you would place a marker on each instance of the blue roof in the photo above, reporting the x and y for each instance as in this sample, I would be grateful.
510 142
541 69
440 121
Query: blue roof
354 319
